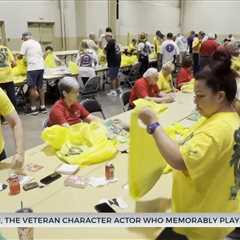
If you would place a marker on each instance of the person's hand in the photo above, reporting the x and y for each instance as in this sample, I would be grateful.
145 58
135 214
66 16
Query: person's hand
169 99
17 162
147 116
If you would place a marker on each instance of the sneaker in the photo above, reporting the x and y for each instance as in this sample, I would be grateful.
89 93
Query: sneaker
112 93
43 110
32 112
119 90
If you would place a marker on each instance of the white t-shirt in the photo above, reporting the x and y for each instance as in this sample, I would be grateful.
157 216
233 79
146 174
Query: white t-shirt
168 49
88 58
32 50
182 44
144 48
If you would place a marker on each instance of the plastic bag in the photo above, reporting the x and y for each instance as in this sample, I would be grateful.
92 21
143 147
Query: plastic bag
156 107
21 68
188 87
146 164
55 136
73 68
82 144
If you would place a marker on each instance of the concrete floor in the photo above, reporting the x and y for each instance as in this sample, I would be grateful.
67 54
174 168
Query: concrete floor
33 124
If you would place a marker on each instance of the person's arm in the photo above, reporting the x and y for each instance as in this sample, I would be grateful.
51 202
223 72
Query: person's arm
91 118
161 99
11 58
16 126
167 147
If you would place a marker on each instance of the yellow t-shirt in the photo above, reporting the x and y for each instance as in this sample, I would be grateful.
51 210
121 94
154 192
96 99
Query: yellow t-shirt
49 60
157 44
6 108
131 47
6 57
125 60
205 186
165 83
196 45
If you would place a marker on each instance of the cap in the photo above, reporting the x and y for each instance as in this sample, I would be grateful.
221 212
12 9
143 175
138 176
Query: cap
26 34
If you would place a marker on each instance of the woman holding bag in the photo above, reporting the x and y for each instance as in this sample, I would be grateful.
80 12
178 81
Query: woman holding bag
202 175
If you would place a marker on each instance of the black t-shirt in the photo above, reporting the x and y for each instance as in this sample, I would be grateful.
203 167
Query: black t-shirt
113 54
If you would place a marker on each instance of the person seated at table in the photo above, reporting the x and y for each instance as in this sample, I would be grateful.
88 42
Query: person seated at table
185 74
8 111
87 59
50 59
147 88
165 82
68 111
201 164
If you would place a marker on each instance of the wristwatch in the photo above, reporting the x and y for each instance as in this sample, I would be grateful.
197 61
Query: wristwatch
152 127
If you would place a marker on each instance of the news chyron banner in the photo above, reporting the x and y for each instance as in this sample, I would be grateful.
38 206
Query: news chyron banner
119 220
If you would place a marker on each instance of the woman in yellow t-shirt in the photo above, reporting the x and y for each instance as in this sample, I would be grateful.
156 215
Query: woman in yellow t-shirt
165 83
203 177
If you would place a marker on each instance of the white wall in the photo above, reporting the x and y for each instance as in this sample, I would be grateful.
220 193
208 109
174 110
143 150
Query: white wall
16 14
97 16
219 16
140 15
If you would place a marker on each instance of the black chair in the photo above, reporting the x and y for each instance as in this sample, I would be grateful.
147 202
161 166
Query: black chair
92 106
90 89
124 97
133 75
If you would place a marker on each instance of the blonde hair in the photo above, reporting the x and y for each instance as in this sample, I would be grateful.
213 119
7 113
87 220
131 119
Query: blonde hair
168 66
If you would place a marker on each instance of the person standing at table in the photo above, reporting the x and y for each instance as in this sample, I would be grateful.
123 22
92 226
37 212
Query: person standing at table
169 51
147 88
157 41
8 111
113 54
7 62
182 44
202 171
144 50
32 50
196 44
190 41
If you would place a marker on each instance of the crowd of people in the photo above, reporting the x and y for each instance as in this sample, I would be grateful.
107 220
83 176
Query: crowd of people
201 169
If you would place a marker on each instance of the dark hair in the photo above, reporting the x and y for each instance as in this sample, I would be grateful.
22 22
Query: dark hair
170 35
49 48
108 29
187 62
218 74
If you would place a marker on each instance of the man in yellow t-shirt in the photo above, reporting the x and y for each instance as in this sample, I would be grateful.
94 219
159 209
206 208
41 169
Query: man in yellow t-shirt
9 113
6 80
196 45
165 83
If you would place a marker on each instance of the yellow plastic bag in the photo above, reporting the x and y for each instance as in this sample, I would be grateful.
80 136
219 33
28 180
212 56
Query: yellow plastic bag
55 136
146 164
188 87
81 144
87 155
73 68
21 68
156 107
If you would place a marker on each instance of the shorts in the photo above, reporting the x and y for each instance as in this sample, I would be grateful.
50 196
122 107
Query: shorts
113 72
35 78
